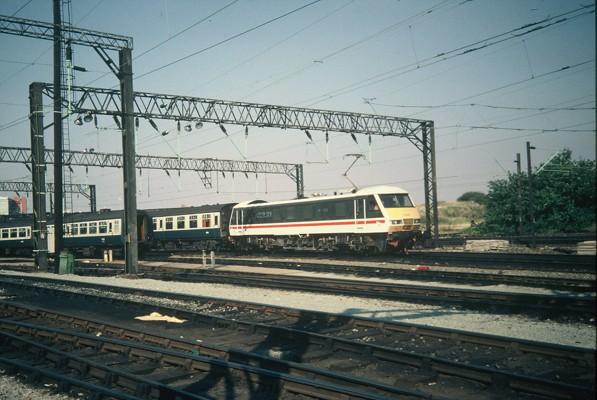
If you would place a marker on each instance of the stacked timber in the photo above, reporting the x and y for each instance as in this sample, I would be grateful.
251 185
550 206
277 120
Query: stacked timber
586 248
486 245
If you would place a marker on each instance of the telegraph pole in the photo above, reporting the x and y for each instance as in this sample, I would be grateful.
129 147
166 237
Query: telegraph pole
58 217
518 194
531 207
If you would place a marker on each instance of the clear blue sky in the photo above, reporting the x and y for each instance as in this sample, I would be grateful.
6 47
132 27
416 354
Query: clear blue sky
350 55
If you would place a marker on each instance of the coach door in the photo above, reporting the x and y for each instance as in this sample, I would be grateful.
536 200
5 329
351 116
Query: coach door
51 243
359 213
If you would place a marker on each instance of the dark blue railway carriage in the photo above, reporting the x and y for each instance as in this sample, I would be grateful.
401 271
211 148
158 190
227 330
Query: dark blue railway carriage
193 228
15 235
88 233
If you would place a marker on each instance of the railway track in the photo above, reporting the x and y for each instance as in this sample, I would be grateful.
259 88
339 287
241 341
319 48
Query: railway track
540 305
417 361
562 239
547 262
381 271
486 260
121 368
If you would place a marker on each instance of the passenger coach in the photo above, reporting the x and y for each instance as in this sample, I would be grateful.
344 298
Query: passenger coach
372 219
87 233
193 228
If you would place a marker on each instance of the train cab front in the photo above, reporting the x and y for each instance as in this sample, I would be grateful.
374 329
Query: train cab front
403 218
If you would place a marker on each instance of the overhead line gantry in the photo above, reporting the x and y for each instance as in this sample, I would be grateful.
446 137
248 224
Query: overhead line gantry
22 155
150 105
87 191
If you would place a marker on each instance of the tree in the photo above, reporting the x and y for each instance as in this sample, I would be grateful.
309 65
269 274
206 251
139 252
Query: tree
477 197
564 198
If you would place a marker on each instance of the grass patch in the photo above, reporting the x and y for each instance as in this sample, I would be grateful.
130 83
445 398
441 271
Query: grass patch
456 216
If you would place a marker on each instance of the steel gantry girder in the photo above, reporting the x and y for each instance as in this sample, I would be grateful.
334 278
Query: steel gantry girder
87 191
45 30
421 133
187 108
115 160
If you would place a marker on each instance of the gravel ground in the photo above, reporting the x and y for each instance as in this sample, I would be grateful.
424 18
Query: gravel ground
573 334
12 388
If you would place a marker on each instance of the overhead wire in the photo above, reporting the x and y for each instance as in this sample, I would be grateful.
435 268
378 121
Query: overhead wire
456 52
21 8
34 62
269 48
228 39
334 53
493 106
159 44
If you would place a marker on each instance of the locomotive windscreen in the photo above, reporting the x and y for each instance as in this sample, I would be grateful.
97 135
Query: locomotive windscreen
395 200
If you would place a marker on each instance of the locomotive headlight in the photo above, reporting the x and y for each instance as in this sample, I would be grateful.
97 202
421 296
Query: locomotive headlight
396 221
417 221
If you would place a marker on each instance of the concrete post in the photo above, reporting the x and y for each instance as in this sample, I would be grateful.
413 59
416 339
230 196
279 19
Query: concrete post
38 174
128 154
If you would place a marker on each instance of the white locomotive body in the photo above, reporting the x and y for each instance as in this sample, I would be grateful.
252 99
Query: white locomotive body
371 219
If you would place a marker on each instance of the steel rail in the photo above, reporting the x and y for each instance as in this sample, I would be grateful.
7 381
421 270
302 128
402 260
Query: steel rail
561 262
547 305
559 239
387 327
64 359
381 271
484 375
230 354
190 362
486 260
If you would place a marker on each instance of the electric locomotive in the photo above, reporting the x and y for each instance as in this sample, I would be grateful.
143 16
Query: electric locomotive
374 219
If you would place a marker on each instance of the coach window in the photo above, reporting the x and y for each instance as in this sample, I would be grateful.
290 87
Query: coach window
216 220
13 232
205 220
103 227
93 228
193 221
155 224
75 229
22 232
28 232
180 222
169 223
83 228
4 233
110 227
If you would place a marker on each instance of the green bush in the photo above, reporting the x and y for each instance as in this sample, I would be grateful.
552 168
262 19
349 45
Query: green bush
477 197
563 201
